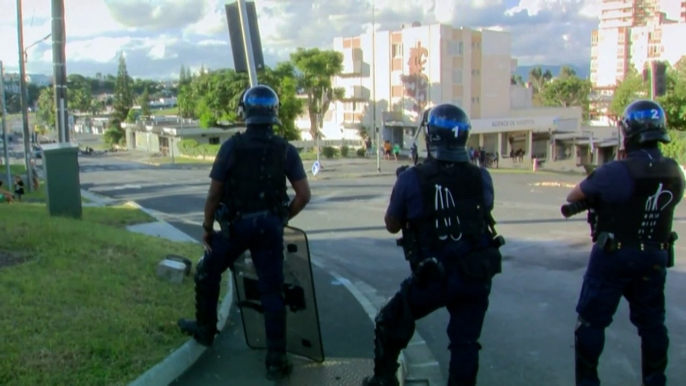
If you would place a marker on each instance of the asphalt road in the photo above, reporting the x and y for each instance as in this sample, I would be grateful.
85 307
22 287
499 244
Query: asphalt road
528 332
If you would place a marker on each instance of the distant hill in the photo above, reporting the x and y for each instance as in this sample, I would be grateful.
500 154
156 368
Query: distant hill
581 71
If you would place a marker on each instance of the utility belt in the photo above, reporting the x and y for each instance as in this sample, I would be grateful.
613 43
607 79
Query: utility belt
479 263
226 217
608 243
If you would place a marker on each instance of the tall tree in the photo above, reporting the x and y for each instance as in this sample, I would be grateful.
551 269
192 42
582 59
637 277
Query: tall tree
144 102
567 91
46 108
538 78
182 75
317 68
123 97
674 101
627 91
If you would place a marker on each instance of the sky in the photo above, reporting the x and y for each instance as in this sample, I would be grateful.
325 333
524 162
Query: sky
157 37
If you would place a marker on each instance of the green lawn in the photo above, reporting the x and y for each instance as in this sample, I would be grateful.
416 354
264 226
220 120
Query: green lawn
85 308
172 111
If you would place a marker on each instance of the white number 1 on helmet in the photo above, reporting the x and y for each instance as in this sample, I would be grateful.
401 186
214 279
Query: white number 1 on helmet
456 130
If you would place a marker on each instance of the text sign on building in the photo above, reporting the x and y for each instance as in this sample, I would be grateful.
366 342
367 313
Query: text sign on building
513 122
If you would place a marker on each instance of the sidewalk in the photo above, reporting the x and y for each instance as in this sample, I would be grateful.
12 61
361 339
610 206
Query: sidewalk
347 333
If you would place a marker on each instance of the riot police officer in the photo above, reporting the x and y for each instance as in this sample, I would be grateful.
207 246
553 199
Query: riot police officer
249 184
634 201
443 208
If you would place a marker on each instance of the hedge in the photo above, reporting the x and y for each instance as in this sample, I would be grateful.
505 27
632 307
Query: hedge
191 148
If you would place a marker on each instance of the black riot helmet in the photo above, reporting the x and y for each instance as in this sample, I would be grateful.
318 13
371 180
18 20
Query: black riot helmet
447 131
259 105
644 122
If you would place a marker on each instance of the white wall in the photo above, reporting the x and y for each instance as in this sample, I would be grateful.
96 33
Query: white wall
496 48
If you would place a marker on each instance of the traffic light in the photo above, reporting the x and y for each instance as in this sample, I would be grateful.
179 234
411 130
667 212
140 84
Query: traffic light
660 79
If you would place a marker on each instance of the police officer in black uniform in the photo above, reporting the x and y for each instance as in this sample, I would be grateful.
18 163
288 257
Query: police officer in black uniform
443 208
634 201
249 190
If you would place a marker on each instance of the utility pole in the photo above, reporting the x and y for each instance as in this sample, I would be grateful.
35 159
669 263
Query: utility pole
3 110
60 69
376 128
23 97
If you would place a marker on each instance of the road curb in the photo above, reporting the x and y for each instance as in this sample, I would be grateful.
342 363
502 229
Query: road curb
97 198
371 302
554 184
181 359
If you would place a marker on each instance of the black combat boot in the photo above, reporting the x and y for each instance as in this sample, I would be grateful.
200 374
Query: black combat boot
204 327
278 364
202 335
385 366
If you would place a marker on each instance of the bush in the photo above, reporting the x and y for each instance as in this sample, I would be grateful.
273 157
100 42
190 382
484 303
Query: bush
188 147
113 136
344 150
360 152
329 152
677 148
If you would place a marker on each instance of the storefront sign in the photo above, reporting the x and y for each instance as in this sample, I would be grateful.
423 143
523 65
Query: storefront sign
513 122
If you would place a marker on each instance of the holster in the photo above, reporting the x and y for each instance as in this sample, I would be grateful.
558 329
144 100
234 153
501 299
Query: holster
408 242
673 237
224 221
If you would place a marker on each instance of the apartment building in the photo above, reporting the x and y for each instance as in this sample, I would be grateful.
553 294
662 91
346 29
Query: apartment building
390 77
630 34
610 43
408 70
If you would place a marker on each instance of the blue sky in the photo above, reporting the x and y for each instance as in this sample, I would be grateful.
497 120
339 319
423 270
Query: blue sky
158 36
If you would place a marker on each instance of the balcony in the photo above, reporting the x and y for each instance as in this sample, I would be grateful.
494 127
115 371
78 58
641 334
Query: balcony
359 93
352 62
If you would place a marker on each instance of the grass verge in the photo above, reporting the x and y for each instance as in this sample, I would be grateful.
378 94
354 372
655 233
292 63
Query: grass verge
86 309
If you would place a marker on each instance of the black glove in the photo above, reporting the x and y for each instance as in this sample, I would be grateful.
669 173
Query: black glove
400 170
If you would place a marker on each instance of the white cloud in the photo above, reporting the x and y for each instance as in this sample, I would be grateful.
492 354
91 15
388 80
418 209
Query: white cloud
159 36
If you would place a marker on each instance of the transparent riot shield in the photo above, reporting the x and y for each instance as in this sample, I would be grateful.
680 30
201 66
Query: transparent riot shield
303 333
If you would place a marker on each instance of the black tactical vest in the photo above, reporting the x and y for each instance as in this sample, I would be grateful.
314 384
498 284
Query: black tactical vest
647 216
257 179
453 203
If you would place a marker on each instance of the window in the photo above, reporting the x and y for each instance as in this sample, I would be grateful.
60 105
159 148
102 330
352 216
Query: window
455 48
476 72
397 50
214 140
457 76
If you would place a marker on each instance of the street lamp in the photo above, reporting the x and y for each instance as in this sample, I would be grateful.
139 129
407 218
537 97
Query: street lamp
26 53
373 72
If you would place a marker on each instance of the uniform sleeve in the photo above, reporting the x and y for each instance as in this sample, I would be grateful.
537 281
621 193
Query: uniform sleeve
609 183
489 191
294 165
220 168
406 198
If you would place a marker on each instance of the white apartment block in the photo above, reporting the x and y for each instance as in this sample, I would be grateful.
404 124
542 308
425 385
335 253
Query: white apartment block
630 34
420 66
390 77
